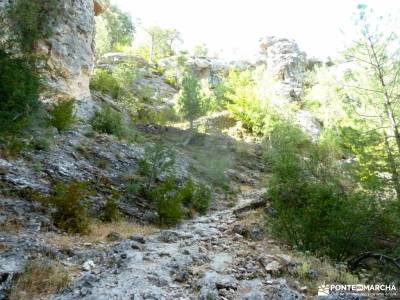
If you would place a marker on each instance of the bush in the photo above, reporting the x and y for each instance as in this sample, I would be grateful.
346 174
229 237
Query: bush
315 209
168 205
69 201
108 121
103 81
244 103
111 211
157 160
19 93
62 115
173 202
195 197
31 21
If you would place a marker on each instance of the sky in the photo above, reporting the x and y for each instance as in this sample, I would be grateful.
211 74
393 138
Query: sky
236 26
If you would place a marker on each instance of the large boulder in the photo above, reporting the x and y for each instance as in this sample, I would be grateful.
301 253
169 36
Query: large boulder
285 65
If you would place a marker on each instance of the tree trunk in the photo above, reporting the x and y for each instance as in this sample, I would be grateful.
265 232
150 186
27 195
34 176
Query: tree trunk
392 166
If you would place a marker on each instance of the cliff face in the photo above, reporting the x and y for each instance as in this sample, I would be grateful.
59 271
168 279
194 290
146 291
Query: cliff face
286 65
69 51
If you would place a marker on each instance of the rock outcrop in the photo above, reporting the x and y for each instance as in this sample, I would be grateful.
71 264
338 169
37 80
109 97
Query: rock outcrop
100 6
204 68
69 52
286 65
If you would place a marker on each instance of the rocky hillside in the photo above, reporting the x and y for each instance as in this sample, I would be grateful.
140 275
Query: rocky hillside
116 206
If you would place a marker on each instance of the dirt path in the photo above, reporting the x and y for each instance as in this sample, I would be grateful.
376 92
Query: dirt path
201 259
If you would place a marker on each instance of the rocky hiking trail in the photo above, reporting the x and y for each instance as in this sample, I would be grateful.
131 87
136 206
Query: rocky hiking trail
201 259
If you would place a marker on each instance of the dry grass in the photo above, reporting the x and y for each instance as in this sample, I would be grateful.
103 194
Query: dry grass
38 280
4 248
11 225
251 217
98 233
325 272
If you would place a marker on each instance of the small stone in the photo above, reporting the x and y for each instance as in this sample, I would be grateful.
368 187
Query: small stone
256 233
182 276
241 230
138 238
136 246
88 265
169 236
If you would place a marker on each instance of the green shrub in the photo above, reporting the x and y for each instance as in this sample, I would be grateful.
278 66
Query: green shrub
174 203
195 197
201 199
111 211
168 205
62 114
31 21
157 160
315 208
108 121
104 81
19 92
69 201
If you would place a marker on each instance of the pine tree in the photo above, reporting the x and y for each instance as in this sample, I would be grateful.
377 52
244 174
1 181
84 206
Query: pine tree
190 101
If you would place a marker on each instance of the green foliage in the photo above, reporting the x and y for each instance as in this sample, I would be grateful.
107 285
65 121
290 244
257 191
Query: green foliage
200 50
19 92
114 29
257 115
69 201
190 104
111 211
120 26
62 114
31 22
168 205
316 200
102 37
104 81
160 43
174 203
157 160
108 121
22 24
118 83
196 197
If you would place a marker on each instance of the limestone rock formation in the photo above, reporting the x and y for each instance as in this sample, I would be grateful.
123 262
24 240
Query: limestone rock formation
70 51
203 67
100 6
286 65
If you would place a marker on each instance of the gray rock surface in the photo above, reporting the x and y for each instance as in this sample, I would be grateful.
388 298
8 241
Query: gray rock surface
286 65
69 51
187 262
